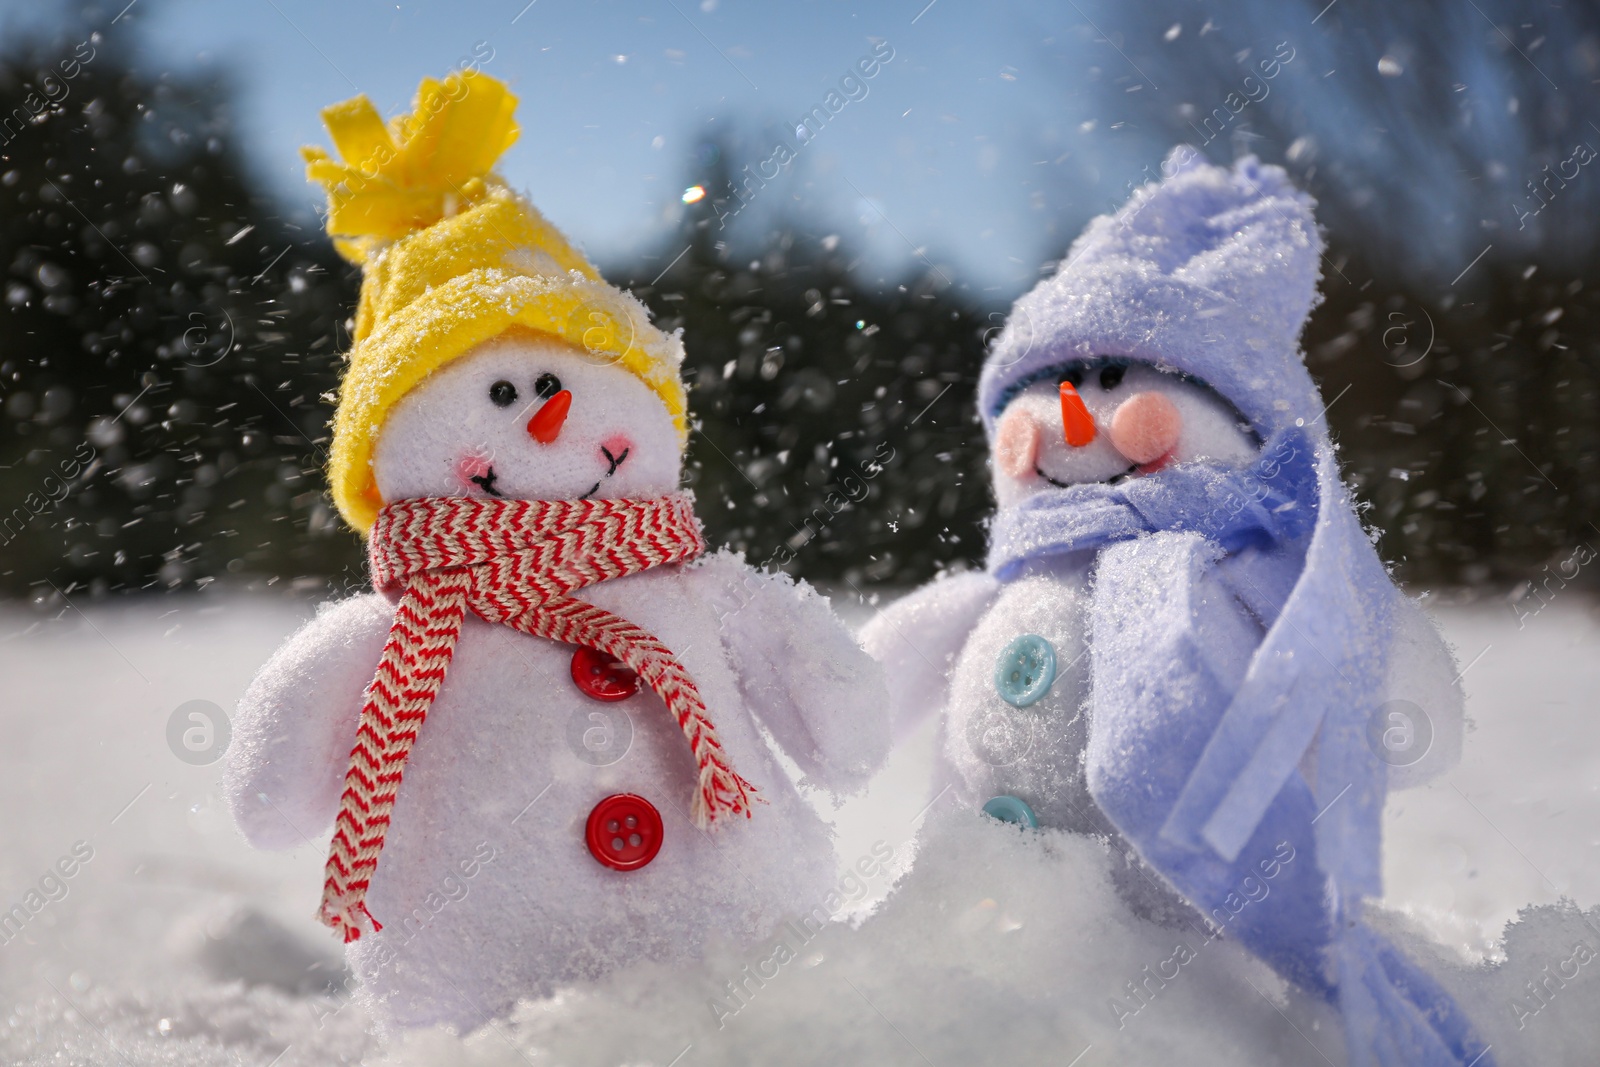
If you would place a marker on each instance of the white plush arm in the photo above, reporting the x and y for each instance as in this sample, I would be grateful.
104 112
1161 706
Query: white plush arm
918 637
296 723
800 670
1423 671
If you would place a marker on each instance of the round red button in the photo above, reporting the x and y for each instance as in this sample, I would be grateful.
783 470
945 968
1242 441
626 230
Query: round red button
602 676
624 832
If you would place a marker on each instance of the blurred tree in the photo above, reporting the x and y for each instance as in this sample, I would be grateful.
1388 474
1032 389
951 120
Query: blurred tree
170 341
1450 148
1471 427
835 419
165 339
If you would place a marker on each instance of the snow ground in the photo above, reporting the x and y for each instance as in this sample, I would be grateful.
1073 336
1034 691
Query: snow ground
174 943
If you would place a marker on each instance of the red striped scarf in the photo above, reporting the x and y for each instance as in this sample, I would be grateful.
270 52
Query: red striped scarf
513 562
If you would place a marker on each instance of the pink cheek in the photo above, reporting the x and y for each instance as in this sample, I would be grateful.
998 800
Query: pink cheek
1016 444
1146 427
617 444
474 464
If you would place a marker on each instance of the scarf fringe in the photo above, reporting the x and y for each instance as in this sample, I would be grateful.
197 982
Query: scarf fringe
719 790
346 918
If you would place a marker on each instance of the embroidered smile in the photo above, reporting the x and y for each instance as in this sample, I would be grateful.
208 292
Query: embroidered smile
615 462
486 480
1113 480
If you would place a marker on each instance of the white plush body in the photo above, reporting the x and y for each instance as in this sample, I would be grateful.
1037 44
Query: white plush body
991 747
542 912
485 887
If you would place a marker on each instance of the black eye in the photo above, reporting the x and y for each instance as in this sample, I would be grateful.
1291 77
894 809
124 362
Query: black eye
1111 377
1074 377
547 386
503 393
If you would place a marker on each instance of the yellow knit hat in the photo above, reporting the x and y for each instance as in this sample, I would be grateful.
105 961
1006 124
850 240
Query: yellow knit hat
452 258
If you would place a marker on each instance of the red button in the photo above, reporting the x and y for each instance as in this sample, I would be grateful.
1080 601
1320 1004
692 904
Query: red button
602 676
624 832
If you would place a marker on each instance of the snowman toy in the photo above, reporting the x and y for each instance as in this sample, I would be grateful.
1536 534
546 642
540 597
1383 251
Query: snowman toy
1183 641
537 742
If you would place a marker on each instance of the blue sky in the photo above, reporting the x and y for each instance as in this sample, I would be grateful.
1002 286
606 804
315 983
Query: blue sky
969 143
996 130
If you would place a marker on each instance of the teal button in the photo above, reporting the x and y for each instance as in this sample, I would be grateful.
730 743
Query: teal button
1026 670
1011 810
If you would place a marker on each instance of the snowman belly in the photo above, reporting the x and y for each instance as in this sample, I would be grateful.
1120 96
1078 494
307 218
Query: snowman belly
510 762
1035 753
1032 752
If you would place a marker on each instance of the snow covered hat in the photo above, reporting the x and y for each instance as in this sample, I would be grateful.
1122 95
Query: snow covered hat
451 258
1210 273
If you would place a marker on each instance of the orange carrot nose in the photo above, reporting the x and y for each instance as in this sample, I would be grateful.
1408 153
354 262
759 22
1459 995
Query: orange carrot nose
1076 422
545 426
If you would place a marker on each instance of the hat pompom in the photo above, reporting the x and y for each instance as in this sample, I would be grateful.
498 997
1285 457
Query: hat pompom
393 179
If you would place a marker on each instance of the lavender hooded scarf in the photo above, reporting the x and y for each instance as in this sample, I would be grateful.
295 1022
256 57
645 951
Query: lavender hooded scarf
1211 273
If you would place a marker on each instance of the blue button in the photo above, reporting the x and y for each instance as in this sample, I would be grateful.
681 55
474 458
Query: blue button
1011 810
1026 670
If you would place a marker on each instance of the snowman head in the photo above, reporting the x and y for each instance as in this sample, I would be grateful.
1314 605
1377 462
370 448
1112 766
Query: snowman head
1107 419
528 417
1169 334
489 356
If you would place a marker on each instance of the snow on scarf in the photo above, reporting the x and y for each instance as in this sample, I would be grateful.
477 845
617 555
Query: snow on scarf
1233 507
513 562
1203 776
